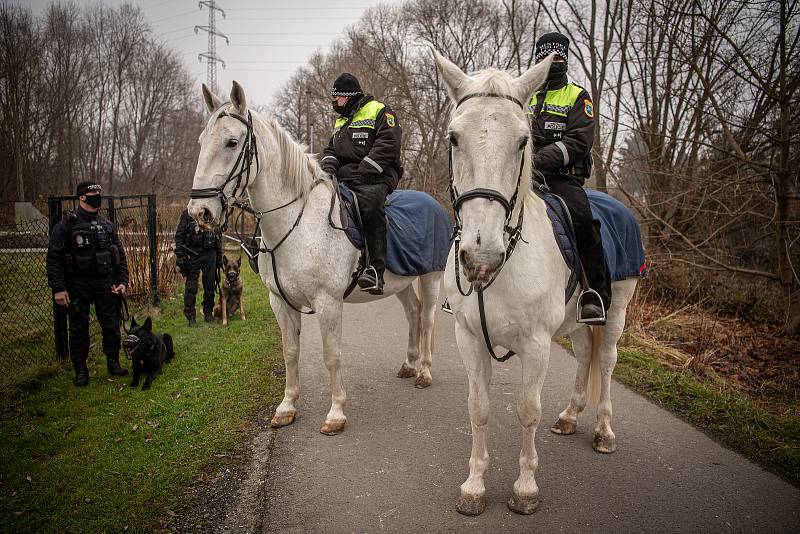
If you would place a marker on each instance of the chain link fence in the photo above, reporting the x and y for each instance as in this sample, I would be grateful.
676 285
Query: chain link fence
33 331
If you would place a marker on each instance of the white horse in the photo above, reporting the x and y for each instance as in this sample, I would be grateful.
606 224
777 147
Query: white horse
312 263
523 292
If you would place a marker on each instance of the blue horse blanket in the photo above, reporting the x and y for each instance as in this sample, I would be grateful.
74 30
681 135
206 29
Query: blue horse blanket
418 232
619 231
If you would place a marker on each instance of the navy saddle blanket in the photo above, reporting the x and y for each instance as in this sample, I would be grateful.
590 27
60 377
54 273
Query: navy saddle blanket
619 231
418 231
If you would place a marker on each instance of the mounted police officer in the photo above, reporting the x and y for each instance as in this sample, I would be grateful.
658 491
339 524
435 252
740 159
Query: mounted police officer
197 251
86 264
364 153
562 125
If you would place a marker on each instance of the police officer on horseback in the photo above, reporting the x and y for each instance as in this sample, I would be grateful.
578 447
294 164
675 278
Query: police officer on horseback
86 265
364 153
562 123
197 250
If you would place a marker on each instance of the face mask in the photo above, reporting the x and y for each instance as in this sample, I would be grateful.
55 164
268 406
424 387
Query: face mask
557 70
94 200
339 109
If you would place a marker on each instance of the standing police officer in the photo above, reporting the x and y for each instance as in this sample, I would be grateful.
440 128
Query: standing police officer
86 264
197 250
364 153
563 133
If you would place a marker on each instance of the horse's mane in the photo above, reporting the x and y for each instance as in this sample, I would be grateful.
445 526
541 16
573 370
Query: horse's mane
298 168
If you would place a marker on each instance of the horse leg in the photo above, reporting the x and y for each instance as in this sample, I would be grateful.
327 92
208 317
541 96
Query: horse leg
477 362
289 322
534 356
410 302
329 313
429 287
582 347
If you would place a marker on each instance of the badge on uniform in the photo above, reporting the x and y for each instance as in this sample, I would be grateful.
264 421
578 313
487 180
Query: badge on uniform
588 108
390 120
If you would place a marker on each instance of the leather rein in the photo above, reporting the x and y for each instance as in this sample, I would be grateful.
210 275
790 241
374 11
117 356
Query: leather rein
514 232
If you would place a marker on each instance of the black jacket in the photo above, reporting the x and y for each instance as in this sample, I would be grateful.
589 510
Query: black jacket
60 250
363 154
191 240
563 145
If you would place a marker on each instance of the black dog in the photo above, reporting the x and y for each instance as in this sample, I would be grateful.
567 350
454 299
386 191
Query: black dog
148 351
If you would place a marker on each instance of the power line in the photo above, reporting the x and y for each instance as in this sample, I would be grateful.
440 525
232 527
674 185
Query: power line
281 33
291 18
172 17
337 8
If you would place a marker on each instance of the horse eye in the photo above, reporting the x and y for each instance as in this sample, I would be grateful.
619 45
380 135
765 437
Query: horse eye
523 144
232 143
453 139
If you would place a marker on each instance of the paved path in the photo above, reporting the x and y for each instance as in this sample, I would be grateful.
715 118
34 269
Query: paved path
398 465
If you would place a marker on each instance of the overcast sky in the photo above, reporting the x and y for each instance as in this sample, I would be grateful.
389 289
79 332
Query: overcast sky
268 39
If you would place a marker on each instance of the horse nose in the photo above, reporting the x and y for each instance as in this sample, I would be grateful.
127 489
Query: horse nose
475 268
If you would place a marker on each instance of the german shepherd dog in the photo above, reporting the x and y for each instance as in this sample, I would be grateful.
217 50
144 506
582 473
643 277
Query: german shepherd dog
232 287
148 352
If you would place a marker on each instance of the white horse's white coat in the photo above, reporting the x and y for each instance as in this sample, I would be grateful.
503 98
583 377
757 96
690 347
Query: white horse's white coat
524 306
316 262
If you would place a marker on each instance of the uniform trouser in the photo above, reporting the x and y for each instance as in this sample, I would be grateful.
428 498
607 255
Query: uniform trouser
205 262
371 202
82 293
587 233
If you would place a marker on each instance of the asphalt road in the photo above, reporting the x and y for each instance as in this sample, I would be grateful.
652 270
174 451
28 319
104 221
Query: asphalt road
398 464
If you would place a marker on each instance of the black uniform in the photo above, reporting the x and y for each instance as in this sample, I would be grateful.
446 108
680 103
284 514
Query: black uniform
197 251
364 153
85 258
563 134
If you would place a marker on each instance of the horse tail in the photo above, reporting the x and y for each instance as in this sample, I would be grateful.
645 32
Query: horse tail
595 371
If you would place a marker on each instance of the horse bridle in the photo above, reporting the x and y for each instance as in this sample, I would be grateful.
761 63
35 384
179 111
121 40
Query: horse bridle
514 232
244 163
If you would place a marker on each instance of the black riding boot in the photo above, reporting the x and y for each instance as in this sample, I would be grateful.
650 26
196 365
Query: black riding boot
81 373
593 309
113 366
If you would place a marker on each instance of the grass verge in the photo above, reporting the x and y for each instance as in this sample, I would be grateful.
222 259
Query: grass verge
107 458
769 435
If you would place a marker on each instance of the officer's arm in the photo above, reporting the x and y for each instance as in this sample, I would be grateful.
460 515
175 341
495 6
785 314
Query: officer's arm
180 234
385 151
56 250
121 276
577 141
329 162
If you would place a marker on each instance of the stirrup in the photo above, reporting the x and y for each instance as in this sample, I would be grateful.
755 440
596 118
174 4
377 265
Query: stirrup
371 269
446 307
590 320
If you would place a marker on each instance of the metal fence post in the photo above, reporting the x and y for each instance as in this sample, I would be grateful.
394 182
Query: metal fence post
111 208
60 330
153 240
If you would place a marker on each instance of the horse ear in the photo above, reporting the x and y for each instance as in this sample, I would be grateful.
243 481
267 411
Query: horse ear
148 325
532 79
454 78
238 99
212 101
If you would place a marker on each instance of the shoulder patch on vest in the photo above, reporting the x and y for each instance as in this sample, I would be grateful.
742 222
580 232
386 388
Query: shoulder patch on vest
390 120
588 108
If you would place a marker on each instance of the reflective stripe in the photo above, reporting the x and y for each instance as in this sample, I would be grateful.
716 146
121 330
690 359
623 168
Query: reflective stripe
557 101
365 117
563 148
334 158
372 162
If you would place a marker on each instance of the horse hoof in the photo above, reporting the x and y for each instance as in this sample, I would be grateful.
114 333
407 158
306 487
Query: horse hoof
471 505
279 421
406 372
523 505
422 382
564 427
604 443
331 428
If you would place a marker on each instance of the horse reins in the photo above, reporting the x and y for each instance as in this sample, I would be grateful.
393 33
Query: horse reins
514 232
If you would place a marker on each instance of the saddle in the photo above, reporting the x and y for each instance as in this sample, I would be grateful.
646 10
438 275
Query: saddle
619 233
418 230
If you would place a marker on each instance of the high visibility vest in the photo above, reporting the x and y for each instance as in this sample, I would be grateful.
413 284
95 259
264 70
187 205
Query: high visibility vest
365 117
558 101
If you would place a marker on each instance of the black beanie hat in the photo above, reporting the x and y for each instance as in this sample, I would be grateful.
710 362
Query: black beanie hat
553 42
85 187
346 85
